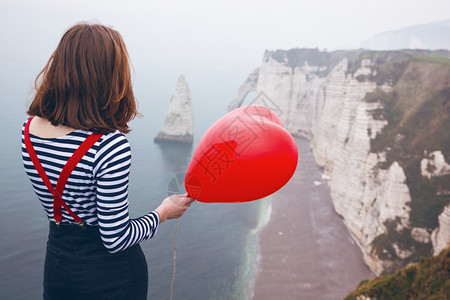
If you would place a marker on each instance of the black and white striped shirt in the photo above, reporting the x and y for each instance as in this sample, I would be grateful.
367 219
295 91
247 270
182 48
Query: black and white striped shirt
97 189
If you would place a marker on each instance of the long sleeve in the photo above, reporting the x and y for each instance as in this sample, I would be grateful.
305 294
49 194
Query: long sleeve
96 190
112 169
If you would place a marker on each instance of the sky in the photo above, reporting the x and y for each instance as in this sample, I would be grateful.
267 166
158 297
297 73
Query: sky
215 44
216 34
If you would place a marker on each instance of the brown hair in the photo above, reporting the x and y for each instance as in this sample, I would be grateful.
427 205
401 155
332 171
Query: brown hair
86 83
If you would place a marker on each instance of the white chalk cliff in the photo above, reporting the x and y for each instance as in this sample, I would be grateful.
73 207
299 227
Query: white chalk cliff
248 86
325 101
441 235
178 125
434 165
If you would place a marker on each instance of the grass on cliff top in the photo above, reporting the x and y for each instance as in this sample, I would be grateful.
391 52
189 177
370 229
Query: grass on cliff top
388 65
314 57
433 59
427 279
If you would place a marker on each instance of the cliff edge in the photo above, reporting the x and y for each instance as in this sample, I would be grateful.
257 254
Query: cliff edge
427 279
378 122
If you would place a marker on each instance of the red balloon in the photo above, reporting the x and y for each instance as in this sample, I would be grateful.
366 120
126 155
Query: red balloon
244 156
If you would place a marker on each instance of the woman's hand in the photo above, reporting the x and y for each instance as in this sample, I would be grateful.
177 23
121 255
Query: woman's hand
173 207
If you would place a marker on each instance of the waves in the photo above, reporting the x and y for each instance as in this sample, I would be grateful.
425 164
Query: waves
250 266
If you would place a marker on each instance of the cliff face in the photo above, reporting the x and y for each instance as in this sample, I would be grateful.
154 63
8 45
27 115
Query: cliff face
364 115
248 86
441 235
178 125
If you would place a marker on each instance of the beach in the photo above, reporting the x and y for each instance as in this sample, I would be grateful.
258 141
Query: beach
306 252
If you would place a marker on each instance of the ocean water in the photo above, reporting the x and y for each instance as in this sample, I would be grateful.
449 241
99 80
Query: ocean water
216 243
217 249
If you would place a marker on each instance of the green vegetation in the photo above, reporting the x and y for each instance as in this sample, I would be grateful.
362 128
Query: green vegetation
433 59
383 246
387 64
418 113
427 279
314 57
417 109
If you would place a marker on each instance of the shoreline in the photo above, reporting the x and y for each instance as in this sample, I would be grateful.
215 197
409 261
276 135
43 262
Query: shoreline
305 251
265 213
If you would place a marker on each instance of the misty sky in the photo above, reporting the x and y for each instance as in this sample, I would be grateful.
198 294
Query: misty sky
216 34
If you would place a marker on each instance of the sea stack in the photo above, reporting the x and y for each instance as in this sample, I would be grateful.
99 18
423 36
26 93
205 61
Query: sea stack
178 126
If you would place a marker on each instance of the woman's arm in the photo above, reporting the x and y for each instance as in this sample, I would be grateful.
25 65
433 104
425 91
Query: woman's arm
112 169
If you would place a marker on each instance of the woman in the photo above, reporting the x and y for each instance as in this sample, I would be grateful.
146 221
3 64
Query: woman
78 160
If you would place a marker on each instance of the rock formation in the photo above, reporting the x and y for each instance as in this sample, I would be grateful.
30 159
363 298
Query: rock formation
178 125
248 86
434 165
441 235
363 113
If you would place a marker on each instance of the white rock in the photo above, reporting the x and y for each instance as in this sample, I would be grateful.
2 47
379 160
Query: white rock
420 235
331 111
365 68
248 86
178 125
402 253
440 237
292 90
395 198
434 165
363 194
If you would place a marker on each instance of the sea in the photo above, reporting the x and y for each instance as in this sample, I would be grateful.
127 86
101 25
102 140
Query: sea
217 249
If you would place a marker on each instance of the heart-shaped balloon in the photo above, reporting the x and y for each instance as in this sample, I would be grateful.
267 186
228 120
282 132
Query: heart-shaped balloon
244 156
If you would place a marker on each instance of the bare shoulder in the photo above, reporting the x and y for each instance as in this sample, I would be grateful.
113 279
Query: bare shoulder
43 128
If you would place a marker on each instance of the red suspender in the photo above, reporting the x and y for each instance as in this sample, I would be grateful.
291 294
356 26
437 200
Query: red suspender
65 173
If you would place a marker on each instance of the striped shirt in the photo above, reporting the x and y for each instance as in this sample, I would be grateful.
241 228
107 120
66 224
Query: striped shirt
97 189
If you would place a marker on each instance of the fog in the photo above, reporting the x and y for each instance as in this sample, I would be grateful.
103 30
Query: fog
201 39
210 34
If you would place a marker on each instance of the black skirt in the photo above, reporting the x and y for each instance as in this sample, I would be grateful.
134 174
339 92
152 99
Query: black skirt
78 266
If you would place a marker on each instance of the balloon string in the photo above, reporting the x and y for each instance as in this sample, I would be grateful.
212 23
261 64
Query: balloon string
174 259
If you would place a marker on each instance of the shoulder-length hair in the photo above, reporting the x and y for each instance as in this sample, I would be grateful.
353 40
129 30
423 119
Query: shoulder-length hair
86 83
